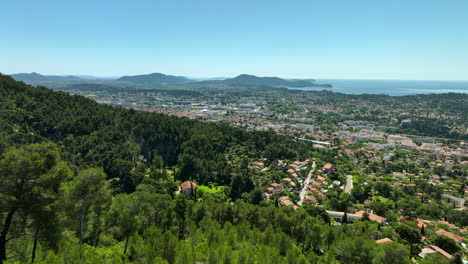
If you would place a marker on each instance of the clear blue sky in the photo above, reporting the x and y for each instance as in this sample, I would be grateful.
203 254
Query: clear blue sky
397 39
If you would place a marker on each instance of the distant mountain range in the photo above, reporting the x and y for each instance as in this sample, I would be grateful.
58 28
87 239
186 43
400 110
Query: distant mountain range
252 80
36 77
243 80
154 78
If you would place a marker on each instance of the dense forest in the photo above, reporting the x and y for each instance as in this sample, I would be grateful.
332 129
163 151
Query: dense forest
88 183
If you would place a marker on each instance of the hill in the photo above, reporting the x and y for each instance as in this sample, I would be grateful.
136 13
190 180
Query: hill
89 183
252 80
100 134
53 81
154 78
36 77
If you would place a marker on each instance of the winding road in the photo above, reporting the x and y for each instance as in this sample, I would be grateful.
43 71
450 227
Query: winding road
306 182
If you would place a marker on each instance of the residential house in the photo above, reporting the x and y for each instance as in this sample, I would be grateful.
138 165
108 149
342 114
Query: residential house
285 201
188 188
372 216
432 249
274 188
384 241
405 123
289 182
450 235
338 216
311 188
259 165
310 198
328 168
321 180
453 199
292 173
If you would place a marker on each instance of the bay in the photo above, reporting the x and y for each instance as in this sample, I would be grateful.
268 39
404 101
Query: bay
389 87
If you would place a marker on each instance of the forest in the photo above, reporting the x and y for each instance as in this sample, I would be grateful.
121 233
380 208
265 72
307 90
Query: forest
83 182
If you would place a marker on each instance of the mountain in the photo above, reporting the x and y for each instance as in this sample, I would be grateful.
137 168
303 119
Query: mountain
54 81
154 78
252 80
36 77
91 133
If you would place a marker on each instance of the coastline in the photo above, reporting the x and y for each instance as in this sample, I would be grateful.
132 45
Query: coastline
389 87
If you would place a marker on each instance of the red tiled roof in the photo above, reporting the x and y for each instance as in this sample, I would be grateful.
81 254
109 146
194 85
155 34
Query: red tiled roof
448 234
187 185
420 223
373 217
310 198
285 201
441 251
327 166
384 240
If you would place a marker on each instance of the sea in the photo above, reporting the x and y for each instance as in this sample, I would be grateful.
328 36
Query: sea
389 87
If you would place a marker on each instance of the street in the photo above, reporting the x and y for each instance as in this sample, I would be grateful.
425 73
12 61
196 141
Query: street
306 182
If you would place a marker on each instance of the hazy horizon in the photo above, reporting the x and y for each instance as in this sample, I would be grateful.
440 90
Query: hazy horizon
90 76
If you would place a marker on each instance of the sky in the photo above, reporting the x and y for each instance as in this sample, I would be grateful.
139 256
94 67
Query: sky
341 39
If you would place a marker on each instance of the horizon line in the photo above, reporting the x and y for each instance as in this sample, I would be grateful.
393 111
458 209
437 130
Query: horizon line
227 77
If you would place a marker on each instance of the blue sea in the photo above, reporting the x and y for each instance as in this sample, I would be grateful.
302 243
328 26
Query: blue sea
390 87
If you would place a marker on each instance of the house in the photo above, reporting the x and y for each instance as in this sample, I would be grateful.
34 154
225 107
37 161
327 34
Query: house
289 182
372 216
338 216
317 146
328 168
419 222
274 188
432 249
310 198
311 188
402 142
408 146
285 201
326 144
321 180
384 241
292 173
453 199
188 188
259 165
316 184
286 180
405 123
277 187
451 235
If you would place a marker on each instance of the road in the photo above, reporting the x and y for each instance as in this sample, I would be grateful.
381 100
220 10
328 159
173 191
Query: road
349 183
306 182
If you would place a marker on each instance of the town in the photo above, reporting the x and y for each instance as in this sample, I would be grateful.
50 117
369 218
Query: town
361 149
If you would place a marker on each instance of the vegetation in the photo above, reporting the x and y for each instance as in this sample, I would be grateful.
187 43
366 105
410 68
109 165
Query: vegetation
89 183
